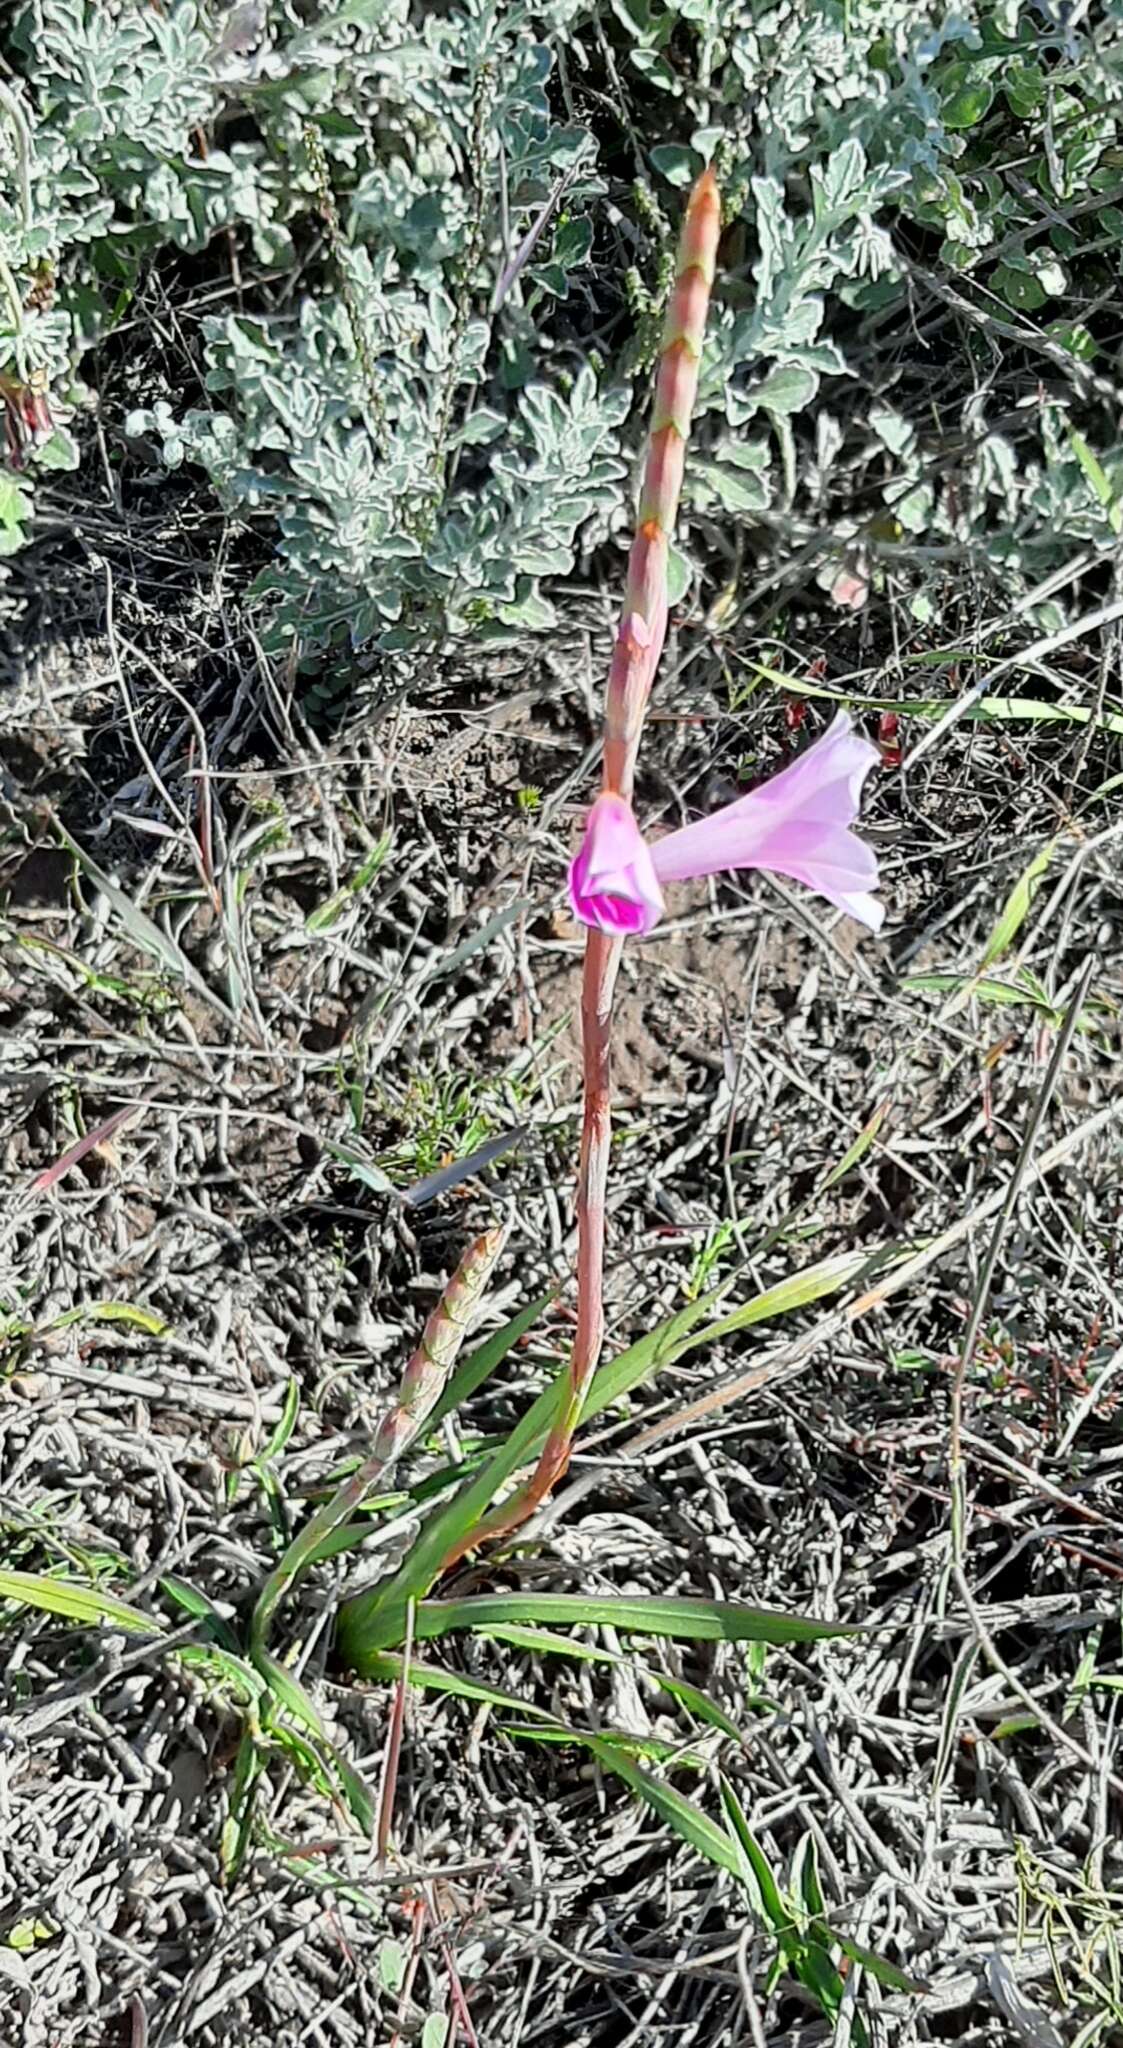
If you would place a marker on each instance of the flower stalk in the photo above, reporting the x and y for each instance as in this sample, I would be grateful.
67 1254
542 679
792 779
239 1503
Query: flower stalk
635 658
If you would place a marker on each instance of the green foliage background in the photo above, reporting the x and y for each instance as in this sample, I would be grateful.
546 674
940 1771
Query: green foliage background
355 174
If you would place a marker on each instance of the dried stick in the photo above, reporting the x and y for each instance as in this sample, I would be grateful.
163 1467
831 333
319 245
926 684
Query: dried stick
635 657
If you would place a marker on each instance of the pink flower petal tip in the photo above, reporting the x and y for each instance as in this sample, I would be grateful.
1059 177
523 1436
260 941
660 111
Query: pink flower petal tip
612 883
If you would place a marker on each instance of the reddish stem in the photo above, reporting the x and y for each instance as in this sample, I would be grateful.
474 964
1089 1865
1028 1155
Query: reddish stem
634 661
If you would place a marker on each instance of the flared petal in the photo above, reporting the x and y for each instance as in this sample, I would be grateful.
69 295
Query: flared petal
835 864
796 825
612 883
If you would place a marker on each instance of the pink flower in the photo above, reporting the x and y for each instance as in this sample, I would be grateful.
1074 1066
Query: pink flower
798 825
612 882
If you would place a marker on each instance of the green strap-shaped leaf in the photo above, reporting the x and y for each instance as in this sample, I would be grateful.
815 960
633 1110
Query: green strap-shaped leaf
76 1603
682 1619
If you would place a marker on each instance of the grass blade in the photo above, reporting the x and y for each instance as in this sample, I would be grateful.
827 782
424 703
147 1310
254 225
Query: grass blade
857 1151
51 1175
386 1664
884 1972
549 1642
289 1694
653 1748
361 1628
368 1175
1026 991
697 1703
75 1603
683 1619
664 1347
690 1822
754 1869
1018 905
446 1177
199 1608
444 964
223 1669
286 1423
799 1290
146 935
984 710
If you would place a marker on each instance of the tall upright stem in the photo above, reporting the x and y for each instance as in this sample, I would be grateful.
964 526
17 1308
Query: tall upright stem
635 658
